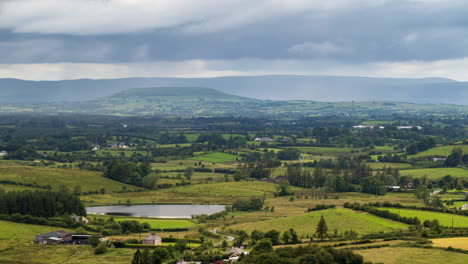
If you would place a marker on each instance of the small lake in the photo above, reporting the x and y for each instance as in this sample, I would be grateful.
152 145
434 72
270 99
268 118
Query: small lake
157 210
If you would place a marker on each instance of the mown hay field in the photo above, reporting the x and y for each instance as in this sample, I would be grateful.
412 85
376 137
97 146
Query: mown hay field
455 242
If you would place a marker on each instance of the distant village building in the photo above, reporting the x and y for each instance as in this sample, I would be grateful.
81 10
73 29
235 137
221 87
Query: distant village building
153 239
117 145
368 127
3 153
96 147
234 254
181 261
264 139
236 250
81 219
393 188
438 159
408 127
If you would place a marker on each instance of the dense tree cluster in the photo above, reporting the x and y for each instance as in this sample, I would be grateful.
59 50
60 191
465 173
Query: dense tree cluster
253 204
423 144
40 203
127 172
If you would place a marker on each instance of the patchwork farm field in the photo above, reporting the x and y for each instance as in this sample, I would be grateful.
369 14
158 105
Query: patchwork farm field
406 255
326 151
217 157
435 173
55 177
305 224
444 219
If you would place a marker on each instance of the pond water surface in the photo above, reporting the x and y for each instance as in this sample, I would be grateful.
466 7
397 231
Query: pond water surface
158 210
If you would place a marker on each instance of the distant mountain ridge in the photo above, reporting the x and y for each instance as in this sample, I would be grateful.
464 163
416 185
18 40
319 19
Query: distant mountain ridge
267 87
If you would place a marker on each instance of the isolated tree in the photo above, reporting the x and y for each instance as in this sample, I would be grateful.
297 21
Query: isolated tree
94 240
188 172
294 236
263 246
160 254
146 256
286 237
322 228
77 190
151 181
455 158
138 257
100 249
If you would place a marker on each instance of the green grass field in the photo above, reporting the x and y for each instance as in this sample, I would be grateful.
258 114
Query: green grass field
217 157
444 219
406 255
435 173
439 151
340 219
55 177
35 254
160 223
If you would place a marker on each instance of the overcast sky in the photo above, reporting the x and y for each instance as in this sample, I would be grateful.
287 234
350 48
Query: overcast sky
67 39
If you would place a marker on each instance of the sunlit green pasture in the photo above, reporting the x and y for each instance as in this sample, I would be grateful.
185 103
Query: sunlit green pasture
444 219
435 173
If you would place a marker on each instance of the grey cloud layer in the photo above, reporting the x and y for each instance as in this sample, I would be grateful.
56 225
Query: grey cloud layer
113 31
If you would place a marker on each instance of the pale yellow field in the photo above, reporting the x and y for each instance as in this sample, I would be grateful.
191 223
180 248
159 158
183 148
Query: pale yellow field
455 242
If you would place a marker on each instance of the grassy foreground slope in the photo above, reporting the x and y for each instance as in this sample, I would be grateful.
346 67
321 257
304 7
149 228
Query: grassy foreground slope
340 219
65 254
55 177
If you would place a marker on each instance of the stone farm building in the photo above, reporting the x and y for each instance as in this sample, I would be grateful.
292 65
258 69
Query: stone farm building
153 239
